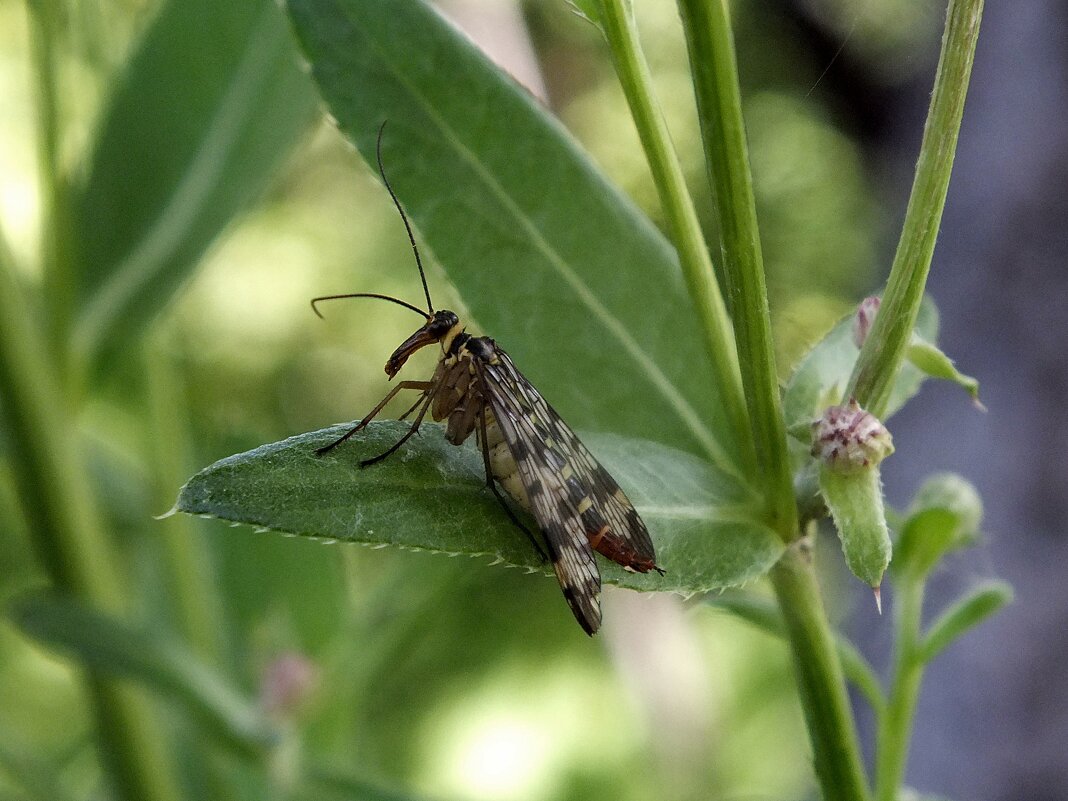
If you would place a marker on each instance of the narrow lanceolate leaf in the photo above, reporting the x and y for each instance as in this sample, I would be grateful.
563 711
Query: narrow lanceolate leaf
432 496
982 602
210 105
933 362
550 259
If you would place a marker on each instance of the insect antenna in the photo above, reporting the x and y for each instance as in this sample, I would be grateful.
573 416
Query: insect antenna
411 238
404 218
390 298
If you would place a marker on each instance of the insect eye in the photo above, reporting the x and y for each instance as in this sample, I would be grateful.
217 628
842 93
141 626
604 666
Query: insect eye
443 321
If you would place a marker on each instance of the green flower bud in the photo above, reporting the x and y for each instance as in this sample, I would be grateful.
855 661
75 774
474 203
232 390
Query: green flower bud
848 439
850 443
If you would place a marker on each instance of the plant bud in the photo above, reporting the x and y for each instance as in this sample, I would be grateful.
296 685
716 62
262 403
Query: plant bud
944 516
287 682
848 439
864 317
850 443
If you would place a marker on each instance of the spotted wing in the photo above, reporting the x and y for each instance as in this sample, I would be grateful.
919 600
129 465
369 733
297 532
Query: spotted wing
576 502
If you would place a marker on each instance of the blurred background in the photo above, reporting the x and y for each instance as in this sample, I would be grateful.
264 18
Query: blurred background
453 679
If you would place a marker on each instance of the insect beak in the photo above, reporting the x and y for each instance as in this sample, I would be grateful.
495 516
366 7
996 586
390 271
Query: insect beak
421 338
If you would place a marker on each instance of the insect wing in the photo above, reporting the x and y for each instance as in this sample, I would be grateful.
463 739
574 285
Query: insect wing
610 521
577 504
569 551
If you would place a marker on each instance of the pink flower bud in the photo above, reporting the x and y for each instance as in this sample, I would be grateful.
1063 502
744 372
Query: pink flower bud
847 438
863 319
288 681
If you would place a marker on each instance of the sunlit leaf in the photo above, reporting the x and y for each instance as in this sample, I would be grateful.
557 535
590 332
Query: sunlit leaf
549 258
110 646
432 496
208 107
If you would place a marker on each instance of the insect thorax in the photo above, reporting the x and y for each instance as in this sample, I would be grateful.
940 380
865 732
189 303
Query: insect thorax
459 399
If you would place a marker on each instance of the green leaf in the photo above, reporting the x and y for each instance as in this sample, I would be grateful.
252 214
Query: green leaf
432 496
944 516
982 602
209 106
933 362
549 258
110 646
822 376
34 776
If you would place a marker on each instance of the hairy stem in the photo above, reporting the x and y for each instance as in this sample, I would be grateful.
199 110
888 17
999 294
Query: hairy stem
719 106
694 258
895 725
887 343
820 681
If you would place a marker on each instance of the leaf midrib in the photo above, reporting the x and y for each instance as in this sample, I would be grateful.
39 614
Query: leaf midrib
687 414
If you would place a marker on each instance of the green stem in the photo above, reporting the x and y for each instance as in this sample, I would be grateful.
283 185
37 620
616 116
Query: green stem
896 723
887 343
719 105
192 574
53 490
45 28
193 585
821 683
694 259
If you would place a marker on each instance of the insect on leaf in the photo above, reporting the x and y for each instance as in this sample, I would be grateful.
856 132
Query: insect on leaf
432 496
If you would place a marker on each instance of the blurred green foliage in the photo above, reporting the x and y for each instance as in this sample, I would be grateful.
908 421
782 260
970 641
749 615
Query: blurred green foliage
439 675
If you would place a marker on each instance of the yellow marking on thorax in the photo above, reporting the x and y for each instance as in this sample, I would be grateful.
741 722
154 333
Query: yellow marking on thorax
455 331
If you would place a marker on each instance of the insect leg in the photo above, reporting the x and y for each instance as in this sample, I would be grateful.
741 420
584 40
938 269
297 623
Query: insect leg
412 409
492 484
429 397
423 385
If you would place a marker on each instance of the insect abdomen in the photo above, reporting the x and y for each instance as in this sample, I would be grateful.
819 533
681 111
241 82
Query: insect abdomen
502 463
